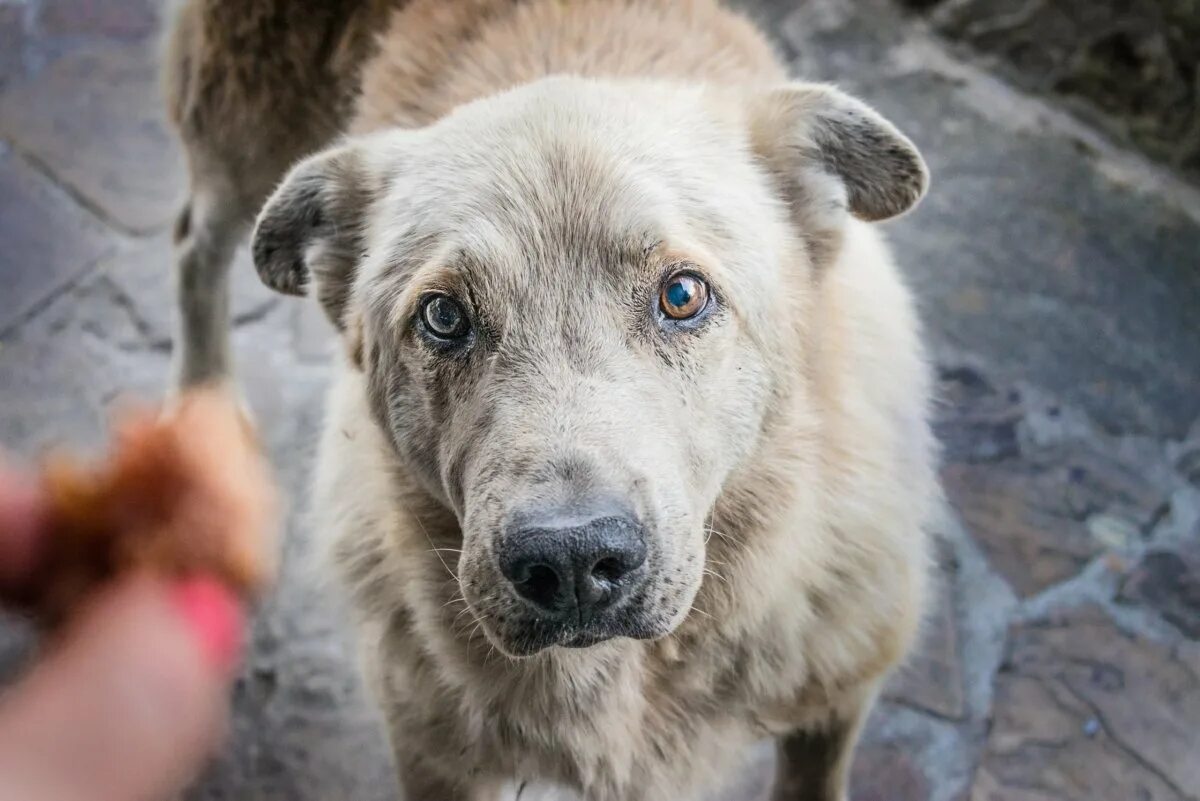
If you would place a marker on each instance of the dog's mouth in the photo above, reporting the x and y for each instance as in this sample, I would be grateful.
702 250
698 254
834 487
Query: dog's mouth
519 633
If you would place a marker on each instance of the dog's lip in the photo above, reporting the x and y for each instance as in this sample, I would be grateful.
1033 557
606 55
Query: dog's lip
520 643
587 638
564 637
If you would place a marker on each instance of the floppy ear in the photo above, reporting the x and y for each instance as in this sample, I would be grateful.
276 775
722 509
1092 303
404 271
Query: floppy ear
309 235
830 155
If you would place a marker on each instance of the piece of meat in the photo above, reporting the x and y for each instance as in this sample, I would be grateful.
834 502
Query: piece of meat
185 492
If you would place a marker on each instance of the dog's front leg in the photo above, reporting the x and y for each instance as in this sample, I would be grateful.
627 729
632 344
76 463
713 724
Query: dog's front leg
814 762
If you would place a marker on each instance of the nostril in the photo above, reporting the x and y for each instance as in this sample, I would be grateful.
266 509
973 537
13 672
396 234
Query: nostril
608 569
539 583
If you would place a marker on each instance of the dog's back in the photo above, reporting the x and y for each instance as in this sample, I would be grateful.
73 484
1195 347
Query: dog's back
437 56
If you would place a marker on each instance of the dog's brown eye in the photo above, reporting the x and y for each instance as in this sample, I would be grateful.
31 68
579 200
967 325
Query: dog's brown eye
444 317
684 295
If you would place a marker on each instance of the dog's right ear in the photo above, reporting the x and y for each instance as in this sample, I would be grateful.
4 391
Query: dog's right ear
309 235
833 157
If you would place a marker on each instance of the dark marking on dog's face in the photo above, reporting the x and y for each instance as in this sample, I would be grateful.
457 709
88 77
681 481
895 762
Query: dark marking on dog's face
574 318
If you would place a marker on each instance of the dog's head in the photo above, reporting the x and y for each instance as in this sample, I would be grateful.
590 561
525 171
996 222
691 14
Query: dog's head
575 304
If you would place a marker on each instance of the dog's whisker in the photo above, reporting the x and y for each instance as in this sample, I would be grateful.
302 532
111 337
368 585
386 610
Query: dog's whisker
434 549
460 599
711 531
471 638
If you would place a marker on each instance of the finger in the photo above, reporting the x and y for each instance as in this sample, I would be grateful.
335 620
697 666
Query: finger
128 706
22 520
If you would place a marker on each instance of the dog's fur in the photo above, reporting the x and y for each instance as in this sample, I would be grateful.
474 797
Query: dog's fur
778 451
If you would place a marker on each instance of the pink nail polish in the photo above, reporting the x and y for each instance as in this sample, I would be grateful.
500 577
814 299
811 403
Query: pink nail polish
215 617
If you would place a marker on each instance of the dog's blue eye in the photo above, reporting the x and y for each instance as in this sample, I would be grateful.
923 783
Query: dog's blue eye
444 317
683 295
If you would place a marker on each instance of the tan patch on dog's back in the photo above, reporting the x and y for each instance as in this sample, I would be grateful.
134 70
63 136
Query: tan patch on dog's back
438 55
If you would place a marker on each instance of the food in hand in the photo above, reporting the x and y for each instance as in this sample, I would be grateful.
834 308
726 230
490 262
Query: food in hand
183 493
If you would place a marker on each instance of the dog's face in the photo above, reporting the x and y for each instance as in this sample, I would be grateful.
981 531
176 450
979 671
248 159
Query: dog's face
571 304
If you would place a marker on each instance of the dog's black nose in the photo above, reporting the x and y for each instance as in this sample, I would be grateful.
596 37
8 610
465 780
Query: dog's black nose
571 572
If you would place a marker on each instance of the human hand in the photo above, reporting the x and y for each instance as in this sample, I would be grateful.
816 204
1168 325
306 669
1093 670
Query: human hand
130 698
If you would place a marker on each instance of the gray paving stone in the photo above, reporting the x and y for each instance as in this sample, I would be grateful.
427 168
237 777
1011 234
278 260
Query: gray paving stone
145 273
887 773
61 373
1127 66
47 241
134 20
1086 711
1024 253
12 40
94 119
907 756
1043 518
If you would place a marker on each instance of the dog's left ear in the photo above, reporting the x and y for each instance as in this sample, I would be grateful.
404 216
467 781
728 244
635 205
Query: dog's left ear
833 155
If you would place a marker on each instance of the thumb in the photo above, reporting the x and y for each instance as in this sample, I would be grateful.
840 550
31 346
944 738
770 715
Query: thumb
129 704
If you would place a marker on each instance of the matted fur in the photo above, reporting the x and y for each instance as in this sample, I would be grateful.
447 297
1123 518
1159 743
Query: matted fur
784 453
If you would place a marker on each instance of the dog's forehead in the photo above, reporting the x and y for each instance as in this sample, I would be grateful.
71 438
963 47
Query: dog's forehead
565 178
530 187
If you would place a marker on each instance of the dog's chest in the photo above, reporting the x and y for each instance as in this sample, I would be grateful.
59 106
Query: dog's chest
636 730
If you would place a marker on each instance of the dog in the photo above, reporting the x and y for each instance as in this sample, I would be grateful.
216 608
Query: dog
627 463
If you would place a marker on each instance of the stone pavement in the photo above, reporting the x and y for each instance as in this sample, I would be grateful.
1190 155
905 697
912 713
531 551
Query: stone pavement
1059 282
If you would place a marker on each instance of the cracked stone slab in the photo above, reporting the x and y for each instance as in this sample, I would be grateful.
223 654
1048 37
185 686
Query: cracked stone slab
1168 581
145 276
47 241
61 372
107 339
974 420
1041 510
1085 711
93 118
1042 520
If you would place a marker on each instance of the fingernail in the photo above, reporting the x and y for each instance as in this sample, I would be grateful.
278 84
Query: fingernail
215 617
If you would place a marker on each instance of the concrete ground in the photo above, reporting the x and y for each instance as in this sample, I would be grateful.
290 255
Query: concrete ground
1059 281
